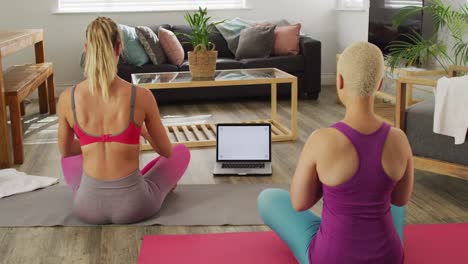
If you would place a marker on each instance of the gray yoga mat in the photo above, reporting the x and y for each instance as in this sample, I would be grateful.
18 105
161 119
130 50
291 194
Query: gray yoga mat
189 205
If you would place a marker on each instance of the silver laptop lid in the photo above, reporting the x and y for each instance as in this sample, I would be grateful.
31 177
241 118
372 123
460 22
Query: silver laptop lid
243 142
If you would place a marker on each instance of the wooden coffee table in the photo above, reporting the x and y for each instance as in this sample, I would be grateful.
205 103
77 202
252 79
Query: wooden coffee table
203 135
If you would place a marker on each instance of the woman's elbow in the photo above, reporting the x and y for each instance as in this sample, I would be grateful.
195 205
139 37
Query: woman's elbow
166 152
64 150
299 205
400 201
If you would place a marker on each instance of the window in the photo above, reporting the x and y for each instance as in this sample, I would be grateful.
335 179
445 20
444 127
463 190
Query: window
143 5
402 3
350 4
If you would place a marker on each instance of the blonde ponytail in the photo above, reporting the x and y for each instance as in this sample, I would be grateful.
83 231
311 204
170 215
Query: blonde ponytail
102 38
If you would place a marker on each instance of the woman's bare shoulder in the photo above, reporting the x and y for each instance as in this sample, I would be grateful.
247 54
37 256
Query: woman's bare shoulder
325 135
65 98
398 140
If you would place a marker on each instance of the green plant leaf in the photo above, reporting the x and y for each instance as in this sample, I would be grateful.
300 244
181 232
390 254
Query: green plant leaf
416 49
200 26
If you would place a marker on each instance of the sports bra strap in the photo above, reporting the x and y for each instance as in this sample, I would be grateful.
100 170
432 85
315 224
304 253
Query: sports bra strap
132 103
73 103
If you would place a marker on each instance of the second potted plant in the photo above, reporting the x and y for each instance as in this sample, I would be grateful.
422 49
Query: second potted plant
202 60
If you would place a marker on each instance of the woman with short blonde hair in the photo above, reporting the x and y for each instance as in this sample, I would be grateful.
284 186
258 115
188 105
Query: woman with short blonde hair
361 166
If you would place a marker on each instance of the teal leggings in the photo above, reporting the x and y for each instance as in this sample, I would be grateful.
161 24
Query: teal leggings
297 229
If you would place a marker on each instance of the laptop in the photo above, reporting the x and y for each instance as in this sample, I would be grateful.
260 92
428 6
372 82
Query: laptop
243 149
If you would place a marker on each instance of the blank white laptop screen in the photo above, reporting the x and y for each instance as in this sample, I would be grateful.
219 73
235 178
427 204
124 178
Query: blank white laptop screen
243 143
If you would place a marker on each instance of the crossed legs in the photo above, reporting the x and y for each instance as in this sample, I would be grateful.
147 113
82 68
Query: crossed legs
163 172
297 229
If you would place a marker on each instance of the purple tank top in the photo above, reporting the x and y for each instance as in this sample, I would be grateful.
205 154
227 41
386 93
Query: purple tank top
357 225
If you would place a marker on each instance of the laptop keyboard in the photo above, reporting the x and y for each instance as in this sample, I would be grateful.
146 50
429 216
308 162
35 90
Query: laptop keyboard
243 165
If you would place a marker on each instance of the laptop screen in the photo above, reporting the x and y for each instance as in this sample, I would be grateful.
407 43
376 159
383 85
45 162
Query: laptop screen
241 142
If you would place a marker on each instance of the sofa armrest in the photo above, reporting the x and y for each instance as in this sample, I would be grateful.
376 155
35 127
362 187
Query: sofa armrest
311 49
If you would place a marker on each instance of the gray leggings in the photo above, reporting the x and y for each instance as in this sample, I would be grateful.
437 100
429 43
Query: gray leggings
133 198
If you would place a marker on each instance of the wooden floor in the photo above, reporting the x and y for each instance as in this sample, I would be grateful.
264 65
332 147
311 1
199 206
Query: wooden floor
436 199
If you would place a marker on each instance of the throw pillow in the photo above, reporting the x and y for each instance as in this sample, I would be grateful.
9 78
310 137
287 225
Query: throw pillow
256 42
171 46
230 29
286 41
133 50
151 44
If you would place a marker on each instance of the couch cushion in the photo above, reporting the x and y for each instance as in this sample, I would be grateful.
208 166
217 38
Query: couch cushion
289 64
221 64
287 40
171 46
221 44
150 42
256 42
126 70
183 29
425 143
155 28
133 50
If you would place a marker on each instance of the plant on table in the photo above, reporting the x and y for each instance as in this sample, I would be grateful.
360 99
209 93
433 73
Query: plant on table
202 60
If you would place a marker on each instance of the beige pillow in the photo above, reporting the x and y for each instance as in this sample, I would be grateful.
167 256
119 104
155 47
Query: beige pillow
286 41
171 46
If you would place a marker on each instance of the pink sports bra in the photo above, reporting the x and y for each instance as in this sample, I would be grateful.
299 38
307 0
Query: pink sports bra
131 135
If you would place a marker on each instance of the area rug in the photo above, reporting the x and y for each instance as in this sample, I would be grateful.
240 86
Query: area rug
189 205
428 244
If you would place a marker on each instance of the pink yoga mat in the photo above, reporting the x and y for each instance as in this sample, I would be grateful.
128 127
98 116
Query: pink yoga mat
428 244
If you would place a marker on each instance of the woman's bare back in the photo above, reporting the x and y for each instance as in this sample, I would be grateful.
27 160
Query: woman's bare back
107 160
339 160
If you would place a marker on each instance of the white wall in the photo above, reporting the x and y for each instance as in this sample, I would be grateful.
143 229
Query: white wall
64 33
444 34
352 26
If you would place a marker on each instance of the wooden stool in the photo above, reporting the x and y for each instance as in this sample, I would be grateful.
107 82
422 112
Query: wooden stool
20 82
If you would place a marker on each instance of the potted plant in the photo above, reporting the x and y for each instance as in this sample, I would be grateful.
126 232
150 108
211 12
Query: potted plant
417 51
202 60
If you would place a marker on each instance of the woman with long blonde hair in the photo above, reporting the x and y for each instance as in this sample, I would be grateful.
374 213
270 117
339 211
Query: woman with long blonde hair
108 115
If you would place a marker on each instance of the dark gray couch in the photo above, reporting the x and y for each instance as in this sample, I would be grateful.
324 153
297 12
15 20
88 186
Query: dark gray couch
425 143
306 66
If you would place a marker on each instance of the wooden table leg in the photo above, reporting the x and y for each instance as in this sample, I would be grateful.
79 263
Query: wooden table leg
409 94
16 129
294 130
42 92
5 158
23 108
51 94
400 108
40 58
274 100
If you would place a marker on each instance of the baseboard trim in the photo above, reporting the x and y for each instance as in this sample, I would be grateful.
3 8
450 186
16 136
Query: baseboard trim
328 79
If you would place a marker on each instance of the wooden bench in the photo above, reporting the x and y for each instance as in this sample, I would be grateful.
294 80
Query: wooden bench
20 81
